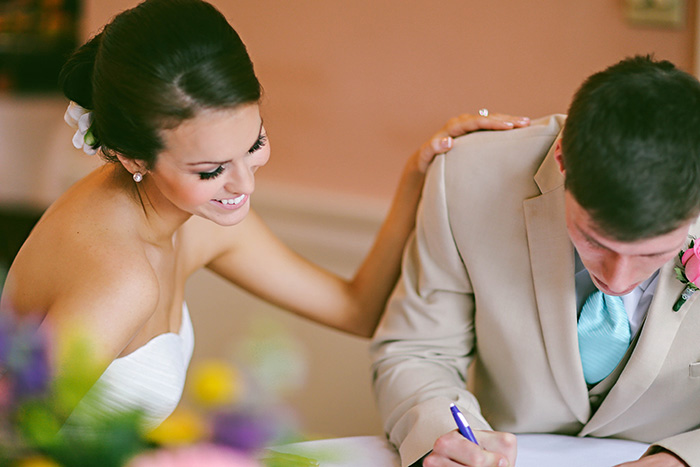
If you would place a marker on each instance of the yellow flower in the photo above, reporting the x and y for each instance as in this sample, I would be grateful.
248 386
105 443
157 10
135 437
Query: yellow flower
182 427
37 461
215 383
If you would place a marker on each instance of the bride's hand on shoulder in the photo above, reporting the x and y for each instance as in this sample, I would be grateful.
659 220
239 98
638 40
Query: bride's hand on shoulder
441 141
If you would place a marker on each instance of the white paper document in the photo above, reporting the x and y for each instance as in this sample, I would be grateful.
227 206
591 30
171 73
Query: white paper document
550 450
534 450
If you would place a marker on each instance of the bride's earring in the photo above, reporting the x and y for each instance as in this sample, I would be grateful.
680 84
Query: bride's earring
138 177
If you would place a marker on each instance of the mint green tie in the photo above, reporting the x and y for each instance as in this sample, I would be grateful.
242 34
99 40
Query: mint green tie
603 335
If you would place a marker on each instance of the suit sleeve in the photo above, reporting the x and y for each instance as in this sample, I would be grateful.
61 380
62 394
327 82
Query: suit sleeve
426 340
685 445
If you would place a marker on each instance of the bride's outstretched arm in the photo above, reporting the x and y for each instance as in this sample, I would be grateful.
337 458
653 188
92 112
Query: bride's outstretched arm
259 262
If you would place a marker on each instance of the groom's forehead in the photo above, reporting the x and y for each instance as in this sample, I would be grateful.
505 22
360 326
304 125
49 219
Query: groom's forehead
584 225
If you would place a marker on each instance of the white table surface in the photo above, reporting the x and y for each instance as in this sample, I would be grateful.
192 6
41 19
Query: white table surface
533 451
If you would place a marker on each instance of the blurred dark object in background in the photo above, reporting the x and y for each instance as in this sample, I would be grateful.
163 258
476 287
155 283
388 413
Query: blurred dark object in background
36 37
15 225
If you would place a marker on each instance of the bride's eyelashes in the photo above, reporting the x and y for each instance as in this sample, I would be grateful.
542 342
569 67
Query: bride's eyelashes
209 175
259 144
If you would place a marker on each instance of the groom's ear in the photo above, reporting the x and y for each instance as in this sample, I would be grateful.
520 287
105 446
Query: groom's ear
559 157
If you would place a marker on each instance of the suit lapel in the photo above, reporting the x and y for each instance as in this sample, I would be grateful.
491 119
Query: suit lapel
655 340
552 260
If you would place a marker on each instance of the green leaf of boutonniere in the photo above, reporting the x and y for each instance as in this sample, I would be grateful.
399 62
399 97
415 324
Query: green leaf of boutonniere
680 275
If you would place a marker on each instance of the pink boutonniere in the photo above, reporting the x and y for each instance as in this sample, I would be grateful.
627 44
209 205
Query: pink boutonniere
688 272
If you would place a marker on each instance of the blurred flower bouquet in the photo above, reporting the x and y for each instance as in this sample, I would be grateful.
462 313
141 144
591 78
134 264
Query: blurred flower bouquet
35 401
232 421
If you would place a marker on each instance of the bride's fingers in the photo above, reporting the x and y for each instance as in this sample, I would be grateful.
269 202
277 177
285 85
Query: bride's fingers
442 141
438 144
516 120
466 123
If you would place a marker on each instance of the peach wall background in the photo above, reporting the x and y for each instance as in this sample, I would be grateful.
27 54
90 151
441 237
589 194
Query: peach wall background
353 87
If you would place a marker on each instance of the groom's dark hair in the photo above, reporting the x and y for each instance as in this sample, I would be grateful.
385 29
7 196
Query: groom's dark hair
631 148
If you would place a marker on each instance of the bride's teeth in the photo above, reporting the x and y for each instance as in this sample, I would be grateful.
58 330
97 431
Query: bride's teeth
233 201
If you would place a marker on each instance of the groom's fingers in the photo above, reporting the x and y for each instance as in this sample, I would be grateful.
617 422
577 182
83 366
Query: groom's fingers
452 450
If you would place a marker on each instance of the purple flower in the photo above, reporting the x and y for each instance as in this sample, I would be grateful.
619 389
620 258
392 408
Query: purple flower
5 340
243 431
24 356
32 378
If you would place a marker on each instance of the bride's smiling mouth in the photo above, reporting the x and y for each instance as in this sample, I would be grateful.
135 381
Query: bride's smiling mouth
232 203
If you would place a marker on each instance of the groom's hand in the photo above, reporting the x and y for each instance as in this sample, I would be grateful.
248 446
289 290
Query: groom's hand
495 449
660 459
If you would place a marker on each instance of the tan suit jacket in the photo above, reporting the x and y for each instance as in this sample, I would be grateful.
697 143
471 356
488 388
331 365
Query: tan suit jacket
488 279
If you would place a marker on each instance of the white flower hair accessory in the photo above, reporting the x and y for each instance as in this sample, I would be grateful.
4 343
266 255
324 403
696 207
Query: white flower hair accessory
81 119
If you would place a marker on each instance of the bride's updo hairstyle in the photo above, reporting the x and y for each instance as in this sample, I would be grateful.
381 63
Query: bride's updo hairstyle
153 67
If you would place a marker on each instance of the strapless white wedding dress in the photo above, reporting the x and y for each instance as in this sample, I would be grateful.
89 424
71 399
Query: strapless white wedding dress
150 379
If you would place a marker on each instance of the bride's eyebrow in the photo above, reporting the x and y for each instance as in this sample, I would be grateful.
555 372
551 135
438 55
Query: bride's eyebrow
260 134
208 163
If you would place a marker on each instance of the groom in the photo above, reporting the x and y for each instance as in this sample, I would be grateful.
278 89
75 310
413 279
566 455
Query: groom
544 258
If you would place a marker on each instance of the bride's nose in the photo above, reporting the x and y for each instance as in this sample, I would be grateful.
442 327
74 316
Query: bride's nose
241 178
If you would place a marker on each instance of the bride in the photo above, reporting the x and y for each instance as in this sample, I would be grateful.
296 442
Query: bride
166 93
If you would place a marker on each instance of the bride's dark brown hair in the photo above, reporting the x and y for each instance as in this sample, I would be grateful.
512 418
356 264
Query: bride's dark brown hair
153 67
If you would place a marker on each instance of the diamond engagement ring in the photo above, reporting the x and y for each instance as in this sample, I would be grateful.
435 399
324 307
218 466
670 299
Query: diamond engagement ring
484 112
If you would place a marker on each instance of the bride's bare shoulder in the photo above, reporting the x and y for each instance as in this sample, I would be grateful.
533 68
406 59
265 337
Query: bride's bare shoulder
86 238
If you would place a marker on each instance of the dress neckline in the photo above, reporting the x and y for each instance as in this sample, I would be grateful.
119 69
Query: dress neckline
185 330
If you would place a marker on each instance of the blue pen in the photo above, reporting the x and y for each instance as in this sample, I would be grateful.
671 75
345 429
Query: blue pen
462 424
